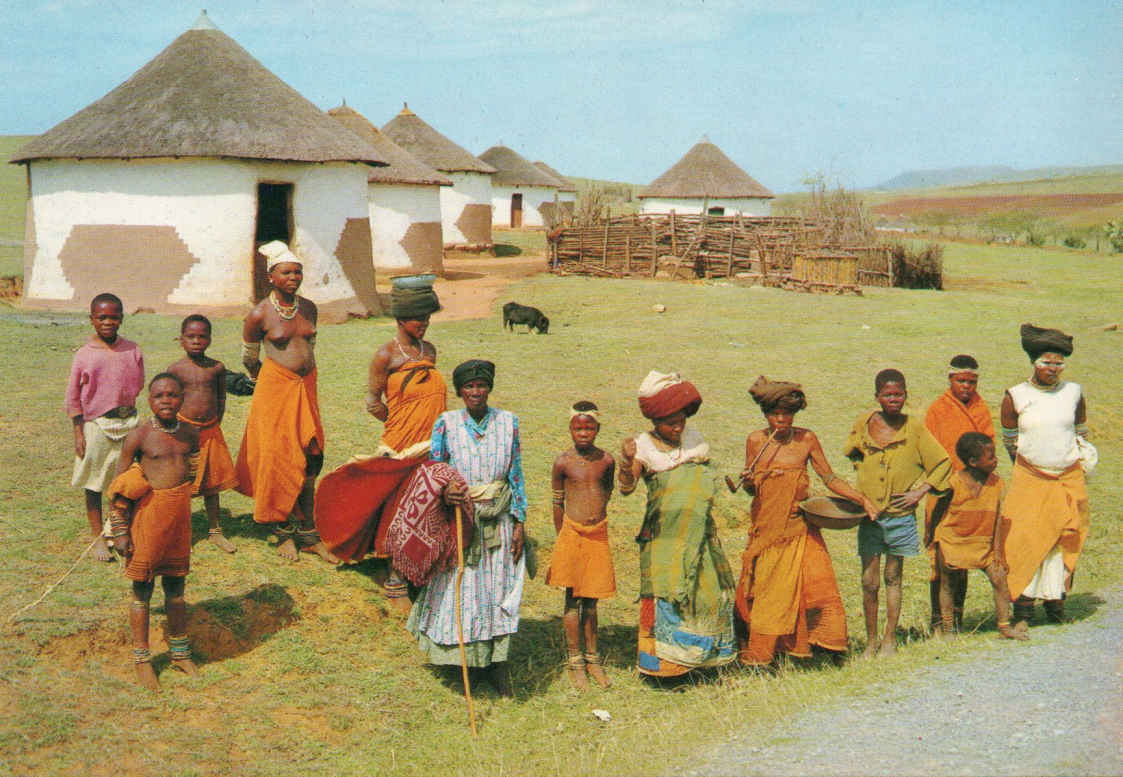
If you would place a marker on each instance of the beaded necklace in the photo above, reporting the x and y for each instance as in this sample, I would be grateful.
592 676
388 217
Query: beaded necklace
284 311
157 425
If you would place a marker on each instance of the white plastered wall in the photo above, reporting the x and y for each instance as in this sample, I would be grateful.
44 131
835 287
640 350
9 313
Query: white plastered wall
212 204
533 197
393 207
466 189
745 206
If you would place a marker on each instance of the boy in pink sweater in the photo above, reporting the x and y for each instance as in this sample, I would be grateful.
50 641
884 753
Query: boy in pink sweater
105 378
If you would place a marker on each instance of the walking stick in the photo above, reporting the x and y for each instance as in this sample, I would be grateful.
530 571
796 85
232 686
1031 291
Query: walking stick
735 486
460 619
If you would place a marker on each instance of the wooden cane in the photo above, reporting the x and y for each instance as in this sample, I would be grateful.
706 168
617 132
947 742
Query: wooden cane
460 619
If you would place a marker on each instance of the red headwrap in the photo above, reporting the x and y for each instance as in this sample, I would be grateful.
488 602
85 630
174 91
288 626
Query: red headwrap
675 397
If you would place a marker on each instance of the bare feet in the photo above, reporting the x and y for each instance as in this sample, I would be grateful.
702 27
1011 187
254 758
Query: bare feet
101 550
185 665
146 676
287 549
888 647
400 604
1005 632
321 550
216 537
595 670
871 649
575 665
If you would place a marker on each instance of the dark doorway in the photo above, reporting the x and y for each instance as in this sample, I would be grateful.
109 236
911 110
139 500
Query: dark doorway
516 210
716 211
274 222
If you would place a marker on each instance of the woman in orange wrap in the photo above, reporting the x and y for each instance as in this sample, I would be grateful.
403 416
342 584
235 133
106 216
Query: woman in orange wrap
283 445
787 597
956 412
356 501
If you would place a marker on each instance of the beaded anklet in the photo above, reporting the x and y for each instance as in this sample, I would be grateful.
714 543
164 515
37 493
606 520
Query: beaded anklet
179 648
142 656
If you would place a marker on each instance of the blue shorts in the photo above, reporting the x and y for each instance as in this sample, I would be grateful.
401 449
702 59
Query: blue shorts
889 535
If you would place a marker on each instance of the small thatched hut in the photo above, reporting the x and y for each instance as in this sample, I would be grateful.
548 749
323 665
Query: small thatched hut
405 202
162 190
566 198
518 189
705 177
466 205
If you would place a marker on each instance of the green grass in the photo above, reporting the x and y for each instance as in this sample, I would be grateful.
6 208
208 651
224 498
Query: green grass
304 671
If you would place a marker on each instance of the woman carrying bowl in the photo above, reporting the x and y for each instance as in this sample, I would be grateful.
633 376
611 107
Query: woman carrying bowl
788 597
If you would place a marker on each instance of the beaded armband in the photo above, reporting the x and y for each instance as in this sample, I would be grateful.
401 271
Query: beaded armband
118 521
558 495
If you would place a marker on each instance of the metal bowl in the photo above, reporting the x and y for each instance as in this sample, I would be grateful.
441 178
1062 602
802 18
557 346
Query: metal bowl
418 281
832 512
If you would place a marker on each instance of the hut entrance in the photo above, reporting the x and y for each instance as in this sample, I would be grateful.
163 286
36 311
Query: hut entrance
274 222
516 210
716 211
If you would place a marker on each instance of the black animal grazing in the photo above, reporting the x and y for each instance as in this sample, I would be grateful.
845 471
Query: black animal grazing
514 313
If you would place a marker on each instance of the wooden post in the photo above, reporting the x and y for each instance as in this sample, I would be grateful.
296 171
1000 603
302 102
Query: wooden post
674 238
628 253
604 248
654 251
581 244
729 267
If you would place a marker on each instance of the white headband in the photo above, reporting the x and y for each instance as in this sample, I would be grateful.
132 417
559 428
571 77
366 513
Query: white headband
1040 362
957 370
593 414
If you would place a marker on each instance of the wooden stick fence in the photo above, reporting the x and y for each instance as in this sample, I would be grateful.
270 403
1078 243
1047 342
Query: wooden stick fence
704 246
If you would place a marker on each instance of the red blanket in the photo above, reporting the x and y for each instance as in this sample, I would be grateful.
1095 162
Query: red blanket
421 537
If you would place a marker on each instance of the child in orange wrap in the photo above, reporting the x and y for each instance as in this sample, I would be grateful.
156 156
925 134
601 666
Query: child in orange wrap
150 516
204 404
967 532
582 480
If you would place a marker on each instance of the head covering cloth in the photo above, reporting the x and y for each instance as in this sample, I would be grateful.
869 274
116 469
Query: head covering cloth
963 363
473 369
413 302
1036 341
277 252
664 394
773 394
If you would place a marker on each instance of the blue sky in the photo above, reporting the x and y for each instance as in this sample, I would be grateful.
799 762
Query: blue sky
620 89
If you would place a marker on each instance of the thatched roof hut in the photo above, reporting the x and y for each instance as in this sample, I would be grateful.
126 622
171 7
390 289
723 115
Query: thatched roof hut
521 194
202 96
705 173
565 185
466 205
431 147
405 202
162 190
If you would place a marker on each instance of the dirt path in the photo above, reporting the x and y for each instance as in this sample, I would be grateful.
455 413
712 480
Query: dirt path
1052 707
472 284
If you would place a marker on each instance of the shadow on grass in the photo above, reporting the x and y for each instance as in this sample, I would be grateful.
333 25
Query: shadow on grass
229 626
231 525
506 249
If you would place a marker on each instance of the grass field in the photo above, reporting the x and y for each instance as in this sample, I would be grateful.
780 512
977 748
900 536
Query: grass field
304 671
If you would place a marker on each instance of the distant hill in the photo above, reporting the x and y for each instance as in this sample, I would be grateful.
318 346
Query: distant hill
965 176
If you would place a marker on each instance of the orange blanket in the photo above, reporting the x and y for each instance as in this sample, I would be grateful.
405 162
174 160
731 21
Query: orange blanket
948 419
415 397
161 526
352 500
1045 511
582 560
788 596
215 469
965 535
283 425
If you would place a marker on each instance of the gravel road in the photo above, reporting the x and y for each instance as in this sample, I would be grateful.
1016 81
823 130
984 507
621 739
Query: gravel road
1054 706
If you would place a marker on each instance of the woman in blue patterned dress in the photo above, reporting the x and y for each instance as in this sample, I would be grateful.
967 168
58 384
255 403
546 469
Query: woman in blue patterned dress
482 444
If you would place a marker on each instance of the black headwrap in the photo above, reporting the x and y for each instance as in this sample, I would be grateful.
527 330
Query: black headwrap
1036 341
473 369
413 303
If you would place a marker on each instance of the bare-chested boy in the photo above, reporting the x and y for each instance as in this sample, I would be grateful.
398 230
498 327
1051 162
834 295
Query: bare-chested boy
582 481
150 516
204 404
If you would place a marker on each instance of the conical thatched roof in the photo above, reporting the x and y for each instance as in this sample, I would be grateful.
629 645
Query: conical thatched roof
431 147
564 184
202 96
513 170
402 167
705 172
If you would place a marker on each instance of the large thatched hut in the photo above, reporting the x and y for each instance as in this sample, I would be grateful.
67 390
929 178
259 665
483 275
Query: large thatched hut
566 199
518 189
405 202
162 190
466 205
706 177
